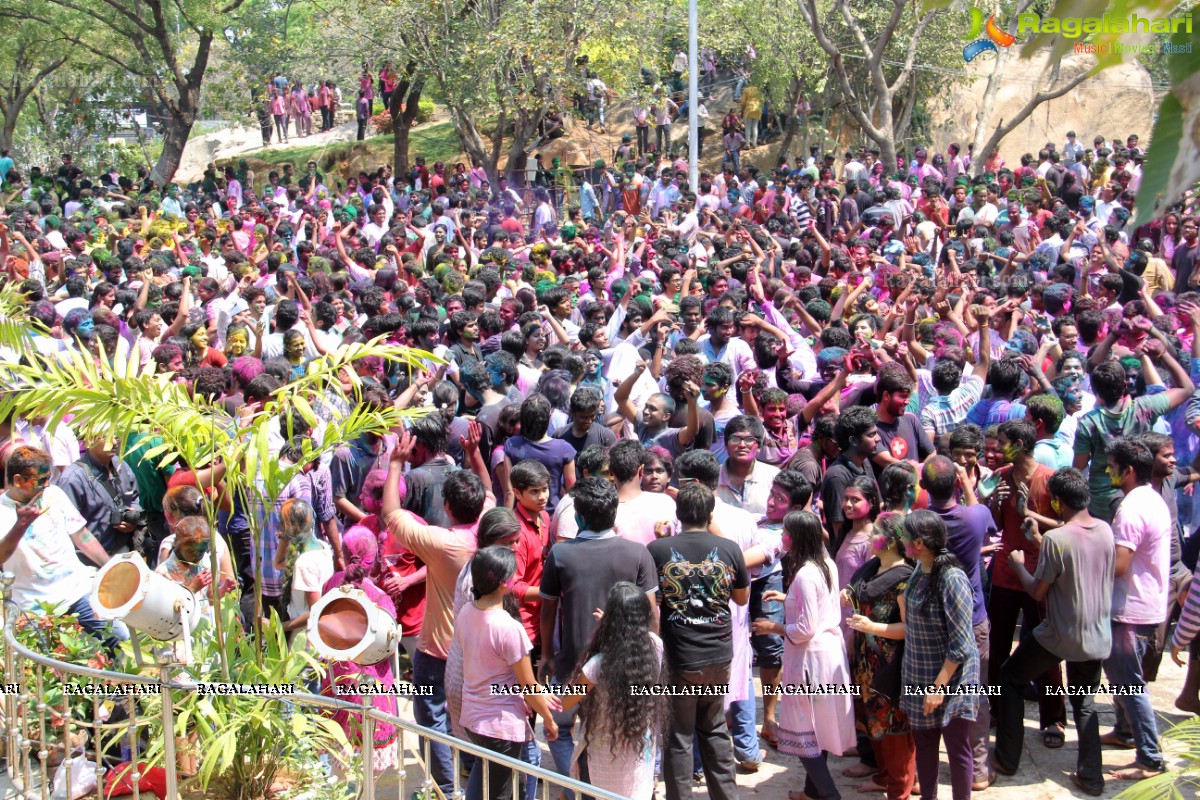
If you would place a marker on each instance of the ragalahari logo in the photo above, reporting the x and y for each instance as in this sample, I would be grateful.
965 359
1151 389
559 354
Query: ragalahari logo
995 36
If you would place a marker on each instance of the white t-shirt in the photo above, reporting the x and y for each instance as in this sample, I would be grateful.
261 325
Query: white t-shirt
61 443
312 570
64 307
46 567
373 233
273 344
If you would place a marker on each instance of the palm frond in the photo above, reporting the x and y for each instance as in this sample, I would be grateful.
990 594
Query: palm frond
15 322
104 398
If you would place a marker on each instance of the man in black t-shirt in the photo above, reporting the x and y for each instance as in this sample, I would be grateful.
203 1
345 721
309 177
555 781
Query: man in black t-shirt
857 435
698 575
1183 262
576 578
583 430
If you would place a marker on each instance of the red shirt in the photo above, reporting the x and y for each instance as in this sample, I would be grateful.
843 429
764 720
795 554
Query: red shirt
213 358
396 559
531 554
633 200
1009 522
936 209
513 226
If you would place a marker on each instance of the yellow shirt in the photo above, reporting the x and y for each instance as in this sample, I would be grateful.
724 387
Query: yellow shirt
752 103
1158 276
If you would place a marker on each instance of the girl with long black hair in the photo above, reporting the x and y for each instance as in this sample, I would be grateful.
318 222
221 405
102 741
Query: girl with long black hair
860 507
616 750
940 656
811 725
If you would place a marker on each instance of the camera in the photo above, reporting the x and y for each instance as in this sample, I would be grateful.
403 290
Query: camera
133 517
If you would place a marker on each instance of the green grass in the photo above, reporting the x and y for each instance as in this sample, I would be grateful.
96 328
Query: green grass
435 142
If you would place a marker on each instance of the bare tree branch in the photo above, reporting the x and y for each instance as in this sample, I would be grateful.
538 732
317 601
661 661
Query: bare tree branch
911 55
1031 105
889 30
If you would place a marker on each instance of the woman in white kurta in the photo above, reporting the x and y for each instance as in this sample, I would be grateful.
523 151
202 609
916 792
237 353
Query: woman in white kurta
816 714
616 747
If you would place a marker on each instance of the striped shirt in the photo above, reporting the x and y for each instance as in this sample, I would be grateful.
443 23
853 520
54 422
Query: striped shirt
1189 618
944 413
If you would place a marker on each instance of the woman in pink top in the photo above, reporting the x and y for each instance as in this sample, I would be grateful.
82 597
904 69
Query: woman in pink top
387 82
368 89
490 630
860 507
361 548
300 110
477 175
279 113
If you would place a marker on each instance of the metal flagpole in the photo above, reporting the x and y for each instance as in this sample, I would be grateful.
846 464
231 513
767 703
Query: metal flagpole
693 102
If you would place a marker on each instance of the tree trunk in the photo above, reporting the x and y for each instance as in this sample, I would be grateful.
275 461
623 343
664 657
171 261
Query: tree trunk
1051 76
174 140
904 126
887 143
403 119
404 108
524 129
471 142
400 163
182 116
983 117
8 129
789 130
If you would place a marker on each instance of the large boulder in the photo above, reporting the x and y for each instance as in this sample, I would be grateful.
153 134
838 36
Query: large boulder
1115 103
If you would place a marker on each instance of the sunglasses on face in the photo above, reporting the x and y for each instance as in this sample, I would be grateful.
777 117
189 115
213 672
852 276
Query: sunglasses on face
37 481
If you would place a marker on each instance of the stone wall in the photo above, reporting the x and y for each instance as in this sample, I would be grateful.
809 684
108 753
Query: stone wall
1115 103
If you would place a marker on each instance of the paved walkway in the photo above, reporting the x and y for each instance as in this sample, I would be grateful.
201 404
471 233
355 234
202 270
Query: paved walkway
1043 774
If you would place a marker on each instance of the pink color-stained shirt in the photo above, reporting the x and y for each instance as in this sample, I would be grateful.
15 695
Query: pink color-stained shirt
1143 525
636 518
495 642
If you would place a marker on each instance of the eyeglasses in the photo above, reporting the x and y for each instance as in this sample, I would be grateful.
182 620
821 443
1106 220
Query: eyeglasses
744 441
37 481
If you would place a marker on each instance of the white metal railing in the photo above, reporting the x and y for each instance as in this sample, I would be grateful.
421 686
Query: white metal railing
29 721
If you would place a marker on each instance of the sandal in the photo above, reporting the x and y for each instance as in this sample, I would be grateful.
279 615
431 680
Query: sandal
1054 737
770 733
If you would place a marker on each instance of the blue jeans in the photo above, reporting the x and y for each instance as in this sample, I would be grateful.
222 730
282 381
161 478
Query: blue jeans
430 711
768 647
1130 643
563 748
740 717
110 632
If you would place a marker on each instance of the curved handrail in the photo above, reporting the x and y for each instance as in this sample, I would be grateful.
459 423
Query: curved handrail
300 699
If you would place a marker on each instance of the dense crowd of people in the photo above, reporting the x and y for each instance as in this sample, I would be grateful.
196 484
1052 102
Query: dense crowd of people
835 424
